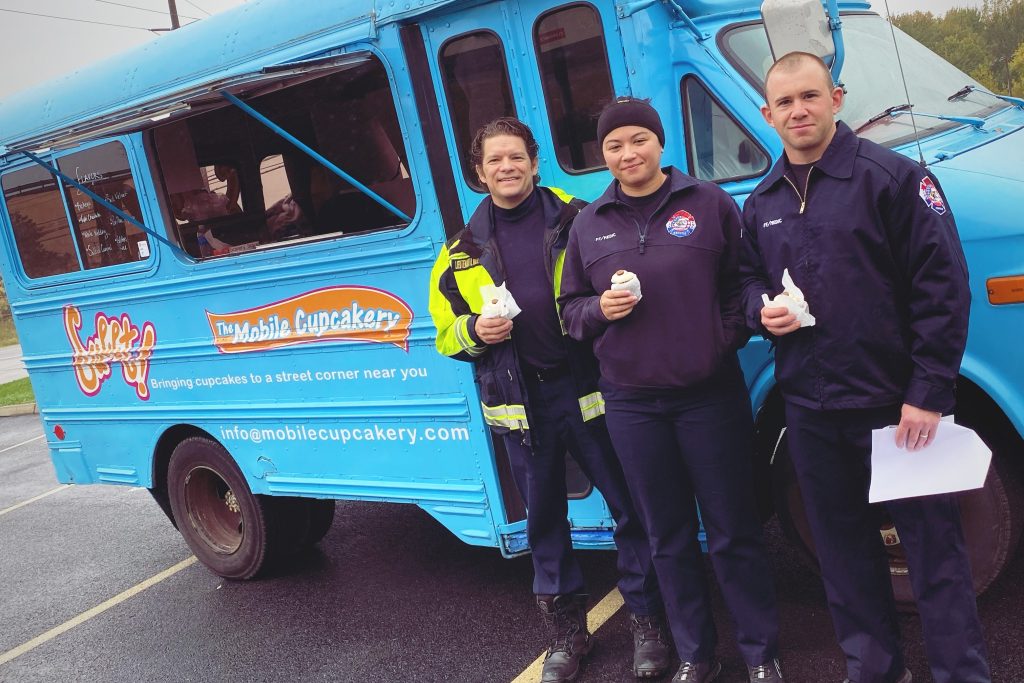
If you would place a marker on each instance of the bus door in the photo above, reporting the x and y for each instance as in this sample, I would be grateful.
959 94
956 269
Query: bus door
548 65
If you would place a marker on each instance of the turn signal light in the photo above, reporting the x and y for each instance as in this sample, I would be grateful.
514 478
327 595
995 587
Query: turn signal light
1005 290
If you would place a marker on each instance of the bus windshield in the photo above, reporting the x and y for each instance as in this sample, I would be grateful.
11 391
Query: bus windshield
872 78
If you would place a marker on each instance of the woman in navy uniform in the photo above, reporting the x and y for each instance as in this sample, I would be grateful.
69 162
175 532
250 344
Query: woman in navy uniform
676 403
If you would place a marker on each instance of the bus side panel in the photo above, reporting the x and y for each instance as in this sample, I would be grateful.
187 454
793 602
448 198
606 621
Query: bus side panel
313 364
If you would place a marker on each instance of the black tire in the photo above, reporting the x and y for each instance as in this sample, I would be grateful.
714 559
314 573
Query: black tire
232 531
321 518
991 517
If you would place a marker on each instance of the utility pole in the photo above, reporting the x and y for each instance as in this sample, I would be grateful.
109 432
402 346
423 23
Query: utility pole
174 14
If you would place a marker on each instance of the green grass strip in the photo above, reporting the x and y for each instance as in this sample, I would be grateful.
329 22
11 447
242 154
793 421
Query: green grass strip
18 391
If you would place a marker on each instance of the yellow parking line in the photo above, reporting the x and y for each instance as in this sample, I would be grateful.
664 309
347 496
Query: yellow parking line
95 611
596 617
11 448
32 500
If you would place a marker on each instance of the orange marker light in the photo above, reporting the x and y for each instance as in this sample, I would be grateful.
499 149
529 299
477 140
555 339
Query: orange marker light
1005 290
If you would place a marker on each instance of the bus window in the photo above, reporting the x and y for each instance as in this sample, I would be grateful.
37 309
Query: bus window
222 179
280 194
41 229
477 89
274 180
717 148
577 82
47 240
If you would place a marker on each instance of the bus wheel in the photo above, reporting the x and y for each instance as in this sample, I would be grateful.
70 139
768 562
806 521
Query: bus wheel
991 518
321 518
231 530
307 520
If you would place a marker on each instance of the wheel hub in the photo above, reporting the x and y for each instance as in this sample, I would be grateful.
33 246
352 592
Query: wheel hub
214 511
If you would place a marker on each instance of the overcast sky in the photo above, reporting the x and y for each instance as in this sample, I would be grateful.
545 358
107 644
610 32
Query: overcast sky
34 49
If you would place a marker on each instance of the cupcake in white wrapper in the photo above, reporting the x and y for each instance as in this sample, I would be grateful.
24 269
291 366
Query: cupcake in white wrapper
623 279
792 299
498 302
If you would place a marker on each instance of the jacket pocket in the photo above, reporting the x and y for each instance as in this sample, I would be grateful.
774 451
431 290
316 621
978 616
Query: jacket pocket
503 411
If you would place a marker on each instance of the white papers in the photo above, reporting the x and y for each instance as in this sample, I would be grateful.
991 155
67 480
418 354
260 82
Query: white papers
498 302
957 460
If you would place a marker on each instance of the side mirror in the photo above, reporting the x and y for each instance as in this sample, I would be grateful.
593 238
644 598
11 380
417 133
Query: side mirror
798 26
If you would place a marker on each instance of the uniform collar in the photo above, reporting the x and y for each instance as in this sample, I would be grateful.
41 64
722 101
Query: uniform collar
837 161
678 181
481 223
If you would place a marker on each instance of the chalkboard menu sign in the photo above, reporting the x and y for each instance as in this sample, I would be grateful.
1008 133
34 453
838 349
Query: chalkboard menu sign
104 237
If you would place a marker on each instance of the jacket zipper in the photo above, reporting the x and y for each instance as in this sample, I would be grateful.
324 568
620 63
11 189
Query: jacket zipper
807 185
642 233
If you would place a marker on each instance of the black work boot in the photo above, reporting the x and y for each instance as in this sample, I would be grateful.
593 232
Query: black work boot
699 672
905 677
652 645
769 672
566 618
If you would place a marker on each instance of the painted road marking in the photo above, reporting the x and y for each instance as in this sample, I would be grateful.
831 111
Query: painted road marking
95 611
32 500
11 448
596 617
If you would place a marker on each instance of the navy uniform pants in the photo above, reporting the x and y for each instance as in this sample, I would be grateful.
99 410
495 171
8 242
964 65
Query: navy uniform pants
557 426
679 445
831 453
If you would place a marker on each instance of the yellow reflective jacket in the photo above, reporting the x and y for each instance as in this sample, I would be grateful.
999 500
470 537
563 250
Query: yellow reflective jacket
469 261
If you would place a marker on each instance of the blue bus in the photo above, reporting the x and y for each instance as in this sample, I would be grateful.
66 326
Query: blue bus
217 247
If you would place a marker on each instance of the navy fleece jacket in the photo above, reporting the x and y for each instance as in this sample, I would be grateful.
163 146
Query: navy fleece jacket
686 256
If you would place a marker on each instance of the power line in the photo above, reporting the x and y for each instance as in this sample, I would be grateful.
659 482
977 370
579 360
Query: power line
198 7
80 21
143 9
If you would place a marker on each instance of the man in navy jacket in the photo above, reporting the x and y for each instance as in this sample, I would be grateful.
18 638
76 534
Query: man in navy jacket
538 390
869 239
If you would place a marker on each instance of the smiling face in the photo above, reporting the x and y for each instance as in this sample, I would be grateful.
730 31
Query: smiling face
633 155
506 170
801 106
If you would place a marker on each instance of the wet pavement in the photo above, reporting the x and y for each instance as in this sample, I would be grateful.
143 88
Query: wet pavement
388 595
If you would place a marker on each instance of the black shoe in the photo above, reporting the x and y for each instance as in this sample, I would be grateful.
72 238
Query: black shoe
905 677
652 645
701 672
769 672
566 618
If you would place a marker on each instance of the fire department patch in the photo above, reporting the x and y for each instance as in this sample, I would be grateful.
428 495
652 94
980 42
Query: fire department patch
931 196
681 224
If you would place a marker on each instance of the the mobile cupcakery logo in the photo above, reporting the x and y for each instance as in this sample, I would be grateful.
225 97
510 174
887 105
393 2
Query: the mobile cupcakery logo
342 313
115 340
681 224
931 196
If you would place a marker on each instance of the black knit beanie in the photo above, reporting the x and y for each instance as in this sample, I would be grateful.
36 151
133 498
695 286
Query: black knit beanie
629 111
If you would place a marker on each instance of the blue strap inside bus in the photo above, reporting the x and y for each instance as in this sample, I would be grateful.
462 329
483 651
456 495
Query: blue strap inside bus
103 202
324 161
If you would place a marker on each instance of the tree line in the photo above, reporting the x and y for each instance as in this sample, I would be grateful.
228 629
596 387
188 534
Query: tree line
987 43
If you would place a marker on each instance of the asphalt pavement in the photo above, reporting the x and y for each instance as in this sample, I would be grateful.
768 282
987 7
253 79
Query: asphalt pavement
96 585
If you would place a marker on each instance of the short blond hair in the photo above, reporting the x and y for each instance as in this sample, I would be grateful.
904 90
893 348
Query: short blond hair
794 60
